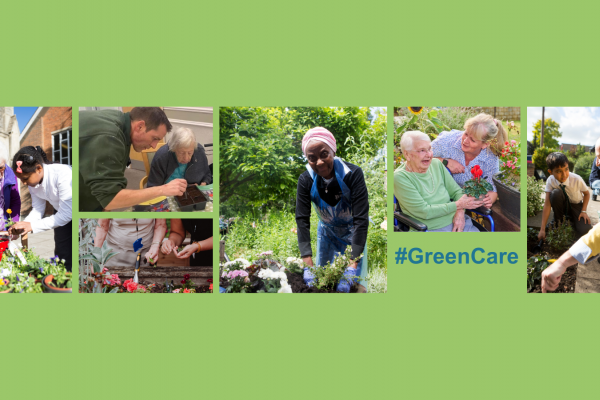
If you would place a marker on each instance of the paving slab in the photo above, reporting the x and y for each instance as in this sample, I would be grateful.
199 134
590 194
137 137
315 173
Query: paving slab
43 243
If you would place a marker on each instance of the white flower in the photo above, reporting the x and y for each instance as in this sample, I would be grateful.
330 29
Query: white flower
62 261
384 225
285 289
4 272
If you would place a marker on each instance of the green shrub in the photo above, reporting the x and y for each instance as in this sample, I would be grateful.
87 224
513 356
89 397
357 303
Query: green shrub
560 236
535 266
535 202
539 158
583 167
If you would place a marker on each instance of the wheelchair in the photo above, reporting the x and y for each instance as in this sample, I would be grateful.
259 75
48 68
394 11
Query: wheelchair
479 217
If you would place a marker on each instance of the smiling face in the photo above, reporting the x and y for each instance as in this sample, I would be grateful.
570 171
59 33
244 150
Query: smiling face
142 139
597 156
561 173
320 159
470 144
419 158
184 155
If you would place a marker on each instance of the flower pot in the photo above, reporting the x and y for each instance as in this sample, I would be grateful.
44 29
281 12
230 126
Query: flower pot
47 282
509 199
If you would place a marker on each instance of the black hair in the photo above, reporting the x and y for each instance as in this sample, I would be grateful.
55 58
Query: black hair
31 157
152 116
555 160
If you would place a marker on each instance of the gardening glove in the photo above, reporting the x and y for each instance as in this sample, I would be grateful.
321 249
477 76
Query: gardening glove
309 277
347 280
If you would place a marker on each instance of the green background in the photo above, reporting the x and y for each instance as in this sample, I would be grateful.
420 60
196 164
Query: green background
440 332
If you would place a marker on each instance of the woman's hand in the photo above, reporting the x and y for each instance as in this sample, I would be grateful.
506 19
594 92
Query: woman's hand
20 228
167 246
203 184
489 199
187 251
152 253
455 167
458 222
308 261
467 203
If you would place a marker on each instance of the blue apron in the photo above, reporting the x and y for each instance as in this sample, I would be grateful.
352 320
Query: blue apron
336 223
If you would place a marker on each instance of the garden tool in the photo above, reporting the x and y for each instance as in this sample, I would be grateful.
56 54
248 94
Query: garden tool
538 248
137 247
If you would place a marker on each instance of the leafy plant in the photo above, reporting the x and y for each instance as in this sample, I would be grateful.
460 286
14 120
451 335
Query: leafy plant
539 158
583 166
560 236
510 166
535 202
423 118
551 134
535 266
478 186
326 277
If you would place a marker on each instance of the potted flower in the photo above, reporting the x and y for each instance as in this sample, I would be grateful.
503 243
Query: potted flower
508 181
478 186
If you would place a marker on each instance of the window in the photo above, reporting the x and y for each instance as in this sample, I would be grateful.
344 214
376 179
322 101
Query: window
61 147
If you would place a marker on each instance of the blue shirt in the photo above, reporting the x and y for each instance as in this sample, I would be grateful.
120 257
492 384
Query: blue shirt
448 145
179 172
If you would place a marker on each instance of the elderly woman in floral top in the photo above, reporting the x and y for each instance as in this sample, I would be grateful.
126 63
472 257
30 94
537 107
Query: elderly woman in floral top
480 144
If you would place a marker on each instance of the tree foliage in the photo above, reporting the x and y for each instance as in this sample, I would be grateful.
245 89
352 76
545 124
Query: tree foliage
261 153
551 133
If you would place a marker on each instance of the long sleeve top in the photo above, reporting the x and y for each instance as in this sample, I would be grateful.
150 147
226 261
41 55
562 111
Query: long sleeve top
56 188
355 180
104 144
165 163
448 145
426 197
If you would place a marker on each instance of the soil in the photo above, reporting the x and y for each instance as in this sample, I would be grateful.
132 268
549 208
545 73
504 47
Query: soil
567 282
193 196
161 288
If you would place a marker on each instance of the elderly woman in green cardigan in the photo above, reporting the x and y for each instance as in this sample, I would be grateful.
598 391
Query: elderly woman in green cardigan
427 192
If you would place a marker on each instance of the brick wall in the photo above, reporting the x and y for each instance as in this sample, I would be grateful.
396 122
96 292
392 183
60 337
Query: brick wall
40 134
504 113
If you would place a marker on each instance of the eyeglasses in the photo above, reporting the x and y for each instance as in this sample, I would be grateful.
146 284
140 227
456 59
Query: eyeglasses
422 152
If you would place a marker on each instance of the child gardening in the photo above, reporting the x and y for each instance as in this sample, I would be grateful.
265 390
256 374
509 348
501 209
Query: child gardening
51 182
567 195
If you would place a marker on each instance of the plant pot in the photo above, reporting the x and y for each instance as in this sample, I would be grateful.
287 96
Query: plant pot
509 199
47 283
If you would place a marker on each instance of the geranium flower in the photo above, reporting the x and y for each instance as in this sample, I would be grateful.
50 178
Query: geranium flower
176 291
186 291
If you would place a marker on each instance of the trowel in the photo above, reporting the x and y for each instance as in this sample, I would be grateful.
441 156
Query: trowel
137 247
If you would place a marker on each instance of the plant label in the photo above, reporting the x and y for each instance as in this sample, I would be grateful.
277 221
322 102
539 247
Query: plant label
16 252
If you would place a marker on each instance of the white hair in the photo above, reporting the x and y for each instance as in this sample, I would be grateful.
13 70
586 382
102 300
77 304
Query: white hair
598 144
181 138
3 154
409 138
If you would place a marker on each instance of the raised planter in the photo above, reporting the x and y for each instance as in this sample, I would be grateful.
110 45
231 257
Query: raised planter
509 200
47 282
195 200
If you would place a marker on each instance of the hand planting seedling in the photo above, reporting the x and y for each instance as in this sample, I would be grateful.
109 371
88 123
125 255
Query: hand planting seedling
326 277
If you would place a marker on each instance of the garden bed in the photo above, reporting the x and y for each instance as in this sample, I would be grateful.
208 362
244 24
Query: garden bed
569 278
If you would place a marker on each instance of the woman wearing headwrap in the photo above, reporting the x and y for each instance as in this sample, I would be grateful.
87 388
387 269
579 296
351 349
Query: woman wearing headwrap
339 195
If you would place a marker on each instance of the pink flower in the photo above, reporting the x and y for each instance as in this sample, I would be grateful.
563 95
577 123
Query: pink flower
130 285
176 291
236 273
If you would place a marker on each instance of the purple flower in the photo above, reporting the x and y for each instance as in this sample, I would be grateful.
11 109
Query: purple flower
41 270
18 280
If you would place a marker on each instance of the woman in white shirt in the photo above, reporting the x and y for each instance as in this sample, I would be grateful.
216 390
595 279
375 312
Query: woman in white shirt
47 182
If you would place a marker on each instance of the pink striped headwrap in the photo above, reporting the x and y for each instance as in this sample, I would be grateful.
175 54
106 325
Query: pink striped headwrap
321 134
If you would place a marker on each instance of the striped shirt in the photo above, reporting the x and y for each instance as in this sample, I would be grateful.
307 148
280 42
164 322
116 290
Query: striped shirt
448 145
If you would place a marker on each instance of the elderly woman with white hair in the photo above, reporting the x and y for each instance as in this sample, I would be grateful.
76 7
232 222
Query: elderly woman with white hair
180 158
338 192
480 144
10 200
426 190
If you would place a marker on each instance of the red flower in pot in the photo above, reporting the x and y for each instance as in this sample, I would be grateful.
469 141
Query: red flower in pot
477 187
476 171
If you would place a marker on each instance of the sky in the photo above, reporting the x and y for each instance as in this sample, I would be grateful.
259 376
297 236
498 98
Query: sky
577 124
24 114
